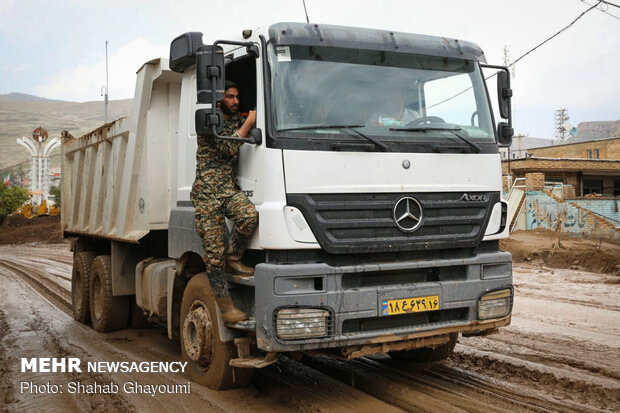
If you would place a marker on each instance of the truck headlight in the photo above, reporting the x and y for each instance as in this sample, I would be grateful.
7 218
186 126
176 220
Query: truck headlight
299 323
495 304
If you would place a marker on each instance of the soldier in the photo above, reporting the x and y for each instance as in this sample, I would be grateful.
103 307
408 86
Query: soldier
216 195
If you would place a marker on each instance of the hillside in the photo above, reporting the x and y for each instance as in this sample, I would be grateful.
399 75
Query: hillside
20 114
26 97
590 131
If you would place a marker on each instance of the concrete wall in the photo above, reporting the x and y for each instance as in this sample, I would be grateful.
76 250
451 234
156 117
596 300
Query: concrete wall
544 211
561 166
534 181
608 208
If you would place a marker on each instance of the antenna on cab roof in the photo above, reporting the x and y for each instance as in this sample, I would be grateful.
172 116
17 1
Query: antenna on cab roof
306 10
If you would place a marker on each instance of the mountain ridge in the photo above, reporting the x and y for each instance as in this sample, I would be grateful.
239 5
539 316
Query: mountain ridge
21 113
27 97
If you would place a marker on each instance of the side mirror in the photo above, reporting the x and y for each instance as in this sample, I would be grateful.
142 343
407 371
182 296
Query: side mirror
504 134
206 119
504 93
210 74
183 51
256 136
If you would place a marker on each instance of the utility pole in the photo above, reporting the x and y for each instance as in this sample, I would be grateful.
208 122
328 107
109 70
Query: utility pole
561 116
104 89
513 74
513 109
508 63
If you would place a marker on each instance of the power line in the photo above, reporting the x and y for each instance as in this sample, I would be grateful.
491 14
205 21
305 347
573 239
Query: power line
601 10
610 3
528 52
562 30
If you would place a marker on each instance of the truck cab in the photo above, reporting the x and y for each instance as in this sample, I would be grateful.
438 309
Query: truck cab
378 184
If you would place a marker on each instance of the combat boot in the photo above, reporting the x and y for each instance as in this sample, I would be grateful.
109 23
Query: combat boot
236 267
229 312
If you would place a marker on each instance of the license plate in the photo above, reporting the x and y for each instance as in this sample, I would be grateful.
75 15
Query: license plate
410 305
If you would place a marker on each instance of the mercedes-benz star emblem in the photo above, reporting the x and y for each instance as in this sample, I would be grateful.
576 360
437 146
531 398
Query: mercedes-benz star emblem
408 214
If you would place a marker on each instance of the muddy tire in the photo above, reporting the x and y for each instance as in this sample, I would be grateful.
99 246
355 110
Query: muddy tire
427 354
80 279
208 357
107 313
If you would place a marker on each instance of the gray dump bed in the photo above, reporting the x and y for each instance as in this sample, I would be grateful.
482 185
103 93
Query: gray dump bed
117 179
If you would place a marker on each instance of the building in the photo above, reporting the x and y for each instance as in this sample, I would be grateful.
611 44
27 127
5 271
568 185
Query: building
585 168
593 149
573 188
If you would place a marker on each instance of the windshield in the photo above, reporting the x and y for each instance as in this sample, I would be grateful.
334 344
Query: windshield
392 97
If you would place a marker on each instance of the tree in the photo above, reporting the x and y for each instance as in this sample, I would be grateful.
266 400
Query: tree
11 199
55 192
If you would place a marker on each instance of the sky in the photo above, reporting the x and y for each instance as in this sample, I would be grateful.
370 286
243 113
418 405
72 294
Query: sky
56 48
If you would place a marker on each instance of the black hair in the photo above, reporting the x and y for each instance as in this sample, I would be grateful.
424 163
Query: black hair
229 83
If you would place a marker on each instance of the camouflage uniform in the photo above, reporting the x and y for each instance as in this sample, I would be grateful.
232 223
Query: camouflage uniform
216 195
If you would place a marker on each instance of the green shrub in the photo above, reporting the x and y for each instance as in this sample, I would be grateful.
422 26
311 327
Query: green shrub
11 199
55 192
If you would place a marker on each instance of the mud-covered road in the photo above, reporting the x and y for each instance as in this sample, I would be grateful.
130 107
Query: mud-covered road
561 353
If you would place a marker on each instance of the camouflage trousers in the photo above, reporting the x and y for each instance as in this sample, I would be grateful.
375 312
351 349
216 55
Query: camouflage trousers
211 226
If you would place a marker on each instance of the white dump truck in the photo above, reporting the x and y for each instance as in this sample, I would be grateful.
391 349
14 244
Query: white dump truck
375 170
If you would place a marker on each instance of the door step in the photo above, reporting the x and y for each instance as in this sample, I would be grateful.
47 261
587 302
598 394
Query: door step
252 362
248 325
247 280
247 360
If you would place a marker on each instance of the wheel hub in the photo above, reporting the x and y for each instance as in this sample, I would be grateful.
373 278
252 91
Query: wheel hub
197 334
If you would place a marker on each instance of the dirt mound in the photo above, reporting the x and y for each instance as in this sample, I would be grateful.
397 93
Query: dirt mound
19 230
545 248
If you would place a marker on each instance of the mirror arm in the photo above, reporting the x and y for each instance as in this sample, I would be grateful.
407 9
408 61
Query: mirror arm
213 113
504 129
507 92
251 48
230 138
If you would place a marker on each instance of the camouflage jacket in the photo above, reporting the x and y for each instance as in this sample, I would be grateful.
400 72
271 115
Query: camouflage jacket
216 161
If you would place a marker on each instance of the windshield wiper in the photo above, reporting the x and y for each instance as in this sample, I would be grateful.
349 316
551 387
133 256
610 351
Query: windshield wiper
455 130
350 128
322 127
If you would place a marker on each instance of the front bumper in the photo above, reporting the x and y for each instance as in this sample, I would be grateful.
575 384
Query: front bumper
353 295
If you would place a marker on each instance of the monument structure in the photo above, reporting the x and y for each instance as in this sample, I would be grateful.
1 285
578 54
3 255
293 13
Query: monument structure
39 148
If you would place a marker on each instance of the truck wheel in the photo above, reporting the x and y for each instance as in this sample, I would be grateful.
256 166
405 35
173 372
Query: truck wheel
80 279
207 355
427 354
108 313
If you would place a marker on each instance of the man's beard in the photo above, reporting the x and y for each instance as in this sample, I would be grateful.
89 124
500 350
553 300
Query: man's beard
227 110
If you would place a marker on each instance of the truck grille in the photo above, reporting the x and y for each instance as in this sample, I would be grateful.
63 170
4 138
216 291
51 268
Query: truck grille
364 223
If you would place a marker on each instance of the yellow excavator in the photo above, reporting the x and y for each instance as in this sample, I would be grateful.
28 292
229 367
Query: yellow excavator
26 210
53 210
31 210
